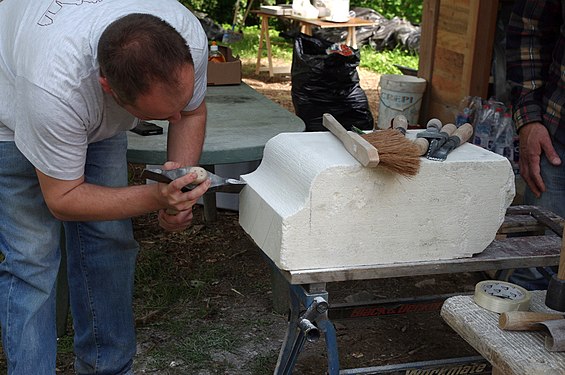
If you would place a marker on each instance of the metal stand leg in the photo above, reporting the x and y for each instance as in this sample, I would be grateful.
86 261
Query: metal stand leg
209 200
306 327
331 346
293 342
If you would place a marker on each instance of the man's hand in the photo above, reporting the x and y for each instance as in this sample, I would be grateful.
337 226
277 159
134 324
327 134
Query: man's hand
535 140
178 215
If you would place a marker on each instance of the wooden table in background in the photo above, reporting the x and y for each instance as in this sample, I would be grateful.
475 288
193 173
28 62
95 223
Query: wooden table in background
306 25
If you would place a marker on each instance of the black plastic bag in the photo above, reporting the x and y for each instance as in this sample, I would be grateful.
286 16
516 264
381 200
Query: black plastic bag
327 83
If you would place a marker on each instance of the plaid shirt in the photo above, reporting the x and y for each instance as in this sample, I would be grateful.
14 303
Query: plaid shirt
535 44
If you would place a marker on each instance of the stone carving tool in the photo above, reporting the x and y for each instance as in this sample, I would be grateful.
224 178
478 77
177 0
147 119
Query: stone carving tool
432 132
461 135
446 131
552 323
387 148
400 123
555 340
436 134
219 184
525 320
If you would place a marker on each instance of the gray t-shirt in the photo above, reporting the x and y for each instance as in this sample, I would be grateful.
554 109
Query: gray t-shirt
51 102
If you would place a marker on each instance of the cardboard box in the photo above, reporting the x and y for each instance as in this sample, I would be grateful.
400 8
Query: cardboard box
228 73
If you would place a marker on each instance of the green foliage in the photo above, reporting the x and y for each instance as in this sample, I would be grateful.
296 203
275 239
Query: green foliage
409 9
222 11
381 62
247 47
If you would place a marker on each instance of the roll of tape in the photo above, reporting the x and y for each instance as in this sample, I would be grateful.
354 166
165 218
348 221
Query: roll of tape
500 296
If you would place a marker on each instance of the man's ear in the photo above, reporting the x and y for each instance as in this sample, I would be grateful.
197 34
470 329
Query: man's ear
105 85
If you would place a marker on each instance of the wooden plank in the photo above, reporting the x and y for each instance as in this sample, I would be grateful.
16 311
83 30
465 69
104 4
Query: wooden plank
456 47
509 253
511 352
430 13
519 222
481 36
446 90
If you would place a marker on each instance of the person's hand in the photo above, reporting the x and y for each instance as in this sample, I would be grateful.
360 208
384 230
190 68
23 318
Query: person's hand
177 215
535 140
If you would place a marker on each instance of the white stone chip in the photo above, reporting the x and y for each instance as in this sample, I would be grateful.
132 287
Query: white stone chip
311 205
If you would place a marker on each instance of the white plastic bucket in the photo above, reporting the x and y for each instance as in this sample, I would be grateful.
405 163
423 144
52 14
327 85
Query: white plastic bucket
339 10
400 95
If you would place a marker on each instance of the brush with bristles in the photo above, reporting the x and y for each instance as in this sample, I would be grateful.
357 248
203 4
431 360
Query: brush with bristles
397 153
387 148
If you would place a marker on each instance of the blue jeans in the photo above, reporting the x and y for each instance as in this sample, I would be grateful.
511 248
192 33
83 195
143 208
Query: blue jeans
101 260
553 199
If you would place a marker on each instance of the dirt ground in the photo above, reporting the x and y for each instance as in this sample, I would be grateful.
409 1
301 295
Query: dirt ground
219 318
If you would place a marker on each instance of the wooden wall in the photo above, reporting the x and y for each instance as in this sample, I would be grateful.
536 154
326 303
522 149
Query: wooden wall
455 53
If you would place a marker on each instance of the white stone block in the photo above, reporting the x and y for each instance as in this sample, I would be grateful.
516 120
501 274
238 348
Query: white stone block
311 205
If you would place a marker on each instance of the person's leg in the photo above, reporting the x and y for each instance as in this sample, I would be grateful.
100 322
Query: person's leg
101 262
29 241
553 199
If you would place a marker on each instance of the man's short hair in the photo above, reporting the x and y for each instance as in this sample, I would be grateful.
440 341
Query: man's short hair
138 50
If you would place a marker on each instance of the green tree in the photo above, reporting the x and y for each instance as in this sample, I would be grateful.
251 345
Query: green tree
409 9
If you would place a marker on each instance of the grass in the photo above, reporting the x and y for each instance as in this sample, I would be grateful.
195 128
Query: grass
195 347
381 62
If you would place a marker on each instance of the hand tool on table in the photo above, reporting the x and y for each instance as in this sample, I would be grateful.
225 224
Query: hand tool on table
432 132
525 320
460 136
387 148
555 296
555 340
552 323
358 147
400 123
436 134
218 183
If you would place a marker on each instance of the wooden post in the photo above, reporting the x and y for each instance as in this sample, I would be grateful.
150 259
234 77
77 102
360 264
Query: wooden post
455 53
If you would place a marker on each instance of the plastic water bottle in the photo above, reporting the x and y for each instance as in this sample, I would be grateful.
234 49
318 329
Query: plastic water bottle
215 55
463 116
503 143
483 126
496 127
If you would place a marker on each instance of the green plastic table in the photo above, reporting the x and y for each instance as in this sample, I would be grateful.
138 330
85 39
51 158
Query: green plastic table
240 122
